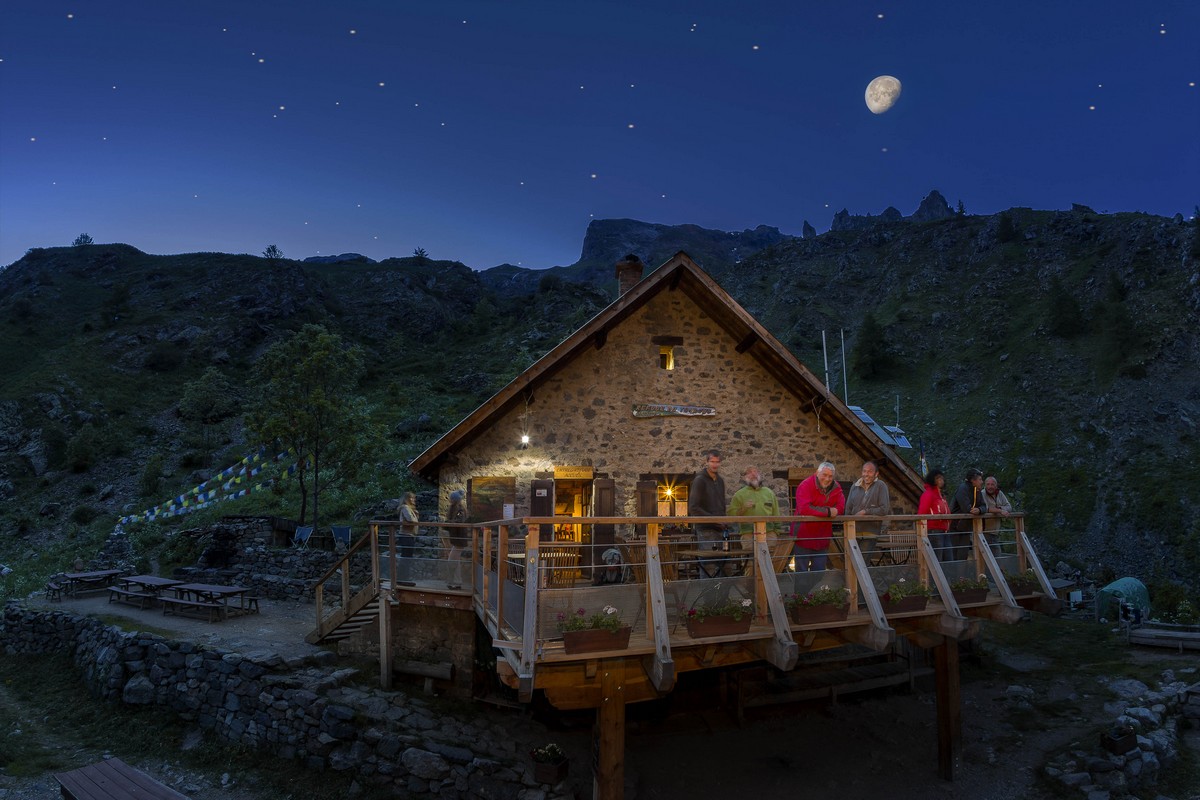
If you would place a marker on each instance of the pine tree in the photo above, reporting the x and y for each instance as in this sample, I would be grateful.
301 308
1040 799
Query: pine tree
872 356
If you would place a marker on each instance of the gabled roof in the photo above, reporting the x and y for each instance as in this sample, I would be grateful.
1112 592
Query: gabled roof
681 274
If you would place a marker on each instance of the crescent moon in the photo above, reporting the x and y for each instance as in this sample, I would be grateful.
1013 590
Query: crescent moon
882 93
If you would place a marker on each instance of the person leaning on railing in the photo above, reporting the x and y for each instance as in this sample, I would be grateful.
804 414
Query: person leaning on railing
933 502
755 500
818 495
967 500
869 496
998 507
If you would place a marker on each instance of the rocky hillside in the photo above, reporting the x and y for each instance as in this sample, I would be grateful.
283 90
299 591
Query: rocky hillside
1056 349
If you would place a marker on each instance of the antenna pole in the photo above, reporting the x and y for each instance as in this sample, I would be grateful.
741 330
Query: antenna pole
897 411
845 386
825 355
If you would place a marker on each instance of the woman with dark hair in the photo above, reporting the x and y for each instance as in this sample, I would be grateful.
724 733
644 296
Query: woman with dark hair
460 538
933 502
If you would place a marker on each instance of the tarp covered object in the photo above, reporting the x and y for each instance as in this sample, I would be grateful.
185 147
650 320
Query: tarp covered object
1131 590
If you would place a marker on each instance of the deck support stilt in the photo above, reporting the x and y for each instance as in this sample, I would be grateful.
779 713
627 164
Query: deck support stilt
385 639
949 710
608 782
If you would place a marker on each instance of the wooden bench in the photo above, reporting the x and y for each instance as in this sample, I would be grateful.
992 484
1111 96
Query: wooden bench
113 780
425 669
141 599
178 605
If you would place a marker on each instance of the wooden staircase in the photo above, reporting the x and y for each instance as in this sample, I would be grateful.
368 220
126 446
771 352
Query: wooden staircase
348 620
355 610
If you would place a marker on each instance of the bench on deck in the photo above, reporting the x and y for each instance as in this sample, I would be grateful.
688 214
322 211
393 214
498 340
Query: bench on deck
141 599
113 780
178 605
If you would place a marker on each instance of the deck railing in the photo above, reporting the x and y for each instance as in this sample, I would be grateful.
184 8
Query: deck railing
521 579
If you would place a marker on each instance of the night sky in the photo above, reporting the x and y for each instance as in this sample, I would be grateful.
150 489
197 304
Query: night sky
492 132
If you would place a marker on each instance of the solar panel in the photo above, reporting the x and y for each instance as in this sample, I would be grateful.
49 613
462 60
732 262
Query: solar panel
890 434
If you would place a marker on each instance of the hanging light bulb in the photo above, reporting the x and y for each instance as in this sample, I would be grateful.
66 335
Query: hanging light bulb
524 438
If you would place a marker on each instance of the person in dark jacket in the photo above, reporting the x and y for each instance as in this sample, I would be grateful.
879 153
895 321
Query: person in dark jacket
967 500
706 498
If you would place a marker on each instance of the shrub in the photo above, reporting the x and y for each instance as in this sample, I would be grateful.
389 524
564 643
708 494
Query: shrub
152 475
83 515
81 450
164 357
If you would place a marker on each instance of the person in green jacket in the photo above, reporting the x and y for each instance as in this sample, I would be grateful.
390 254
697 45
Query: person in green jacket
755 500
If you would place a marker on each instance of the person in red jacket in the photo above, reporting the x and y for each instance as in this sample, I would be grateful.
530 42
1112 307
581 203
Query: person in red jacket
933 502
818 495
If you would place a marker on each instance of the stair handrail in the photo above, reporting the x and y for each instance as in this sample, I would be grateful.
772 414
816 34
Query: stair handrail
343 564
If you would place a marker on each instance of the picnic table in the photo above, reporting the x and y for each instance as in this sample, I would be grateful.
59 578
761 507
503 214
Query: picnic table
140 590
112 780
212 600
89 581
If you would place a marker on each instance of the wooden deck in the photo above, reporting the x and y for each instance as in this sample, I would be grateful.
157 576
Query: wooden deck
520 593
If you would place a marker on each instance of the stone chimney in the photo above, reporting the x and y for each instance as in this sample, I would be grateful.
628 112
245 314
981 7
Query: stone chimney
629 272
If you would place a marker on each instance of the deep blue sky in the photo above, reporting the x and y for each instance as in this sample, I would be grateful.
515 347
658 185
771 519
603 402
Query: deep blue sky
492 132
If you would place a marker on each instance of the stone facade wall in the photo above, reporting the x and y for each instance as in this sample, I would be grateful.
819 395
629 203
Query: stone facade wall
424 633
303 710
582 415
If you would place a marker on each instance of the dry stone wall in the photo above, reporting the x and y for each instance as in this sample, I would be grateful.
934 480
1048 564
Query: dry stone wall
303 710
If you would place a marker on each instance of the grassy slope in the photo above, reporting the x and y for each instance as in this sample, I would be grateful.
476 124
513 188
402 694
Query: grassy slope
980 379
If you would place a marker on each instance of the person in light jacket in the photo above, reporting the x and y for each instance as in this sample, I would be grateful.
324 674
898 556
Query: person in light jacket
869 496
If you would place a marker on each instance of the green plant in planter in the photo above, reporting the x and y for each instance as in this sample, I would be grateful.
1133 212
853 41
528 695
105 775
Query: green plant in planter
821 596
606 619
725 608
548 754
902 589
1021 580
967 584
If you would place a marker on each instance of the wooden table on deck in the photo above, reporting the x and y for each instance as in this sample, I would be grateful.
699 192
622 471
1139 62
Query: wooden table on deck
140 590
89 581
212 599
734 557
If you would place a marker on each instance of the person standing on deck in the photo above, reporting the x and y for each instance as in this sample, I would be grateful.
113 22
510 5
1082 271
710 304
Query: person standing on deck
998 507
933 502
706 498
755 500
406 540
869 496
460 538
818 495
967 500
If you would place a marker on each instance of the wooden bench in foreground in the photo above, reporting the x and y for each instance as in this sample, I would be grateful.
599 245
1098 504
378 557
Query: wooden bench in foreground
113 780
178 605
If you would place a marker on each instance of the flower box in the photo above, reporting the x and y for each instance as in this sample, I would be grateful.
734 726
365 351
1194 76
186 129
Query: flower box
970 595
914 602
718 625
595 639
812 615
1022 589
551 773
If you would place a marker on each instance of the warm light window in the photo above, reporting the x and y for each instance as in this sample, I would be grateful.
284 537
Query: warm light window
666 357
